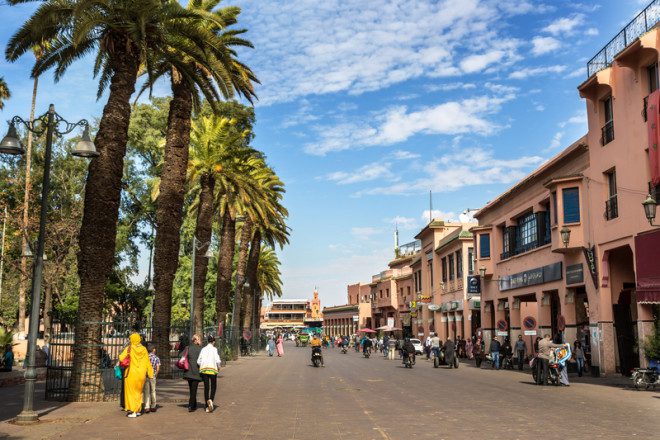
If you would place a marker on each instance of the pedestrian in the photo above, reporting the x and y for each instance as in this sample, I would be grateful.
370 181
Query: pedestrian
578 352
8 359
271 346
478 351
435 345
280 346
495 352
450 348
546 353
192 375
332 342
386 345
427 347
209 365
468 348
149 392
139 369
536 345
521 350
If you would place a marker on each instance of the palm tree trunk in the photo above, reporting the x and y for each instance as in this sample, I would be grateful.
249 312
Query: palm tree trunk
244 246
23 276
251 270
99 224
169 215
203 232
225 266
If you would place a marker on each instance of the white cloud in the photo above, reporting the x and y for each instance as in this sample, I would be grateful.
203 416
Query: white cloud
592 32
438 215
448 87
580 71
458 169
543 45
404 155
579 118
404 223
304 114
365 232
306 47
398 124
564 25
372 171
555 143
526 72
539 107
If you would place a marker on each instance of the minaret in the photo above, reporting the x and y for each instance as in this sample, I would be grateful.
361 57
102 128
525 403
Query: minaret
396 240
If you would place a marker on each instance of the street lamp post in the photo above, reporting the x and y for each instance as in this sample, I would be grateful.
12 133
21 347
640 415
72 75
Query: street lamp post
50 123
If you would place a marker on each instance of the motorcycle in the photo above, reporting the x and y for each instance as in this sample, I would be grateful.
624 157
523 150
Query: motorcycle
367 353
645 377
507 362
440 360
553 371
409 360
317 357
344 349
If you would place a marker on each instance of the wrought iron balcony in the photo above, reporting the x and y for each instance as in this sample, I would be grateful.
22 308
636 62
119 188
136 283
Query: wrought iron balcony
611 208
644 113
607 133
644 22
410 248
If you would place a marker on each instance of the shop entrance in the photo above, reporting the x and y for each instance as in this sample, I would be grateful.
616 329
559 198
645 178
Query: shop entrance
625 333
475 322
555 311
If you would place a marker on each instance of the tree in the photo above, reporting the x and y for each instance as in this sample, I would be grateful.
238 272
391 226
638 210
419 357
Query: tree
5 94
187 80
125 35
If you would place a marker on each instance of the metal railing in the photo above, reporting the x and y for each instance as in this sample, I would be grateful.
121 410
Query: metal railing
611 208
410 248
642 23
607 133
644 111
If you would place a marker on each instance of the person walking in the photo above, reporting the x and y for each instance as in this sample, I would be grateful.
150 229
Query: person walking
435 345
271 346
495 352
468 348
280 345
478 352
209 365
8 359
521 350
139 369
192 375
427 347
150 384
578 352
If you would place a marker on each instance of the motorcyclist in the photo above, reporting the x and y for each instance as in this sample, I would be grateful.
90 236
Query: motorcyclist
344 342
316 347
408 348
366 345
435 345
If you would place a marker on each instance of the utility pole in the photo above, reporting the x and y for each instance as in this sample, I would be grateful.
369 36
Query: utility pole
2 255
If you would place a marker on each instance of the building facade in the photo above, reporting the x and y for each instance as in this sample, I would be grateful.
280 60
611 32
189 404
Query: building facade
288 314
341 320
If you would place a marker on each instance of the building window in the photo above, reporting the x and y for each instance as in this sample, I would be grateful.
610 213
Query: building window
571 201
387 293
607 131
611 204
653 77
450 261
381 293
526 232
459 264
546 224
444 269
484 246
555 209
470 261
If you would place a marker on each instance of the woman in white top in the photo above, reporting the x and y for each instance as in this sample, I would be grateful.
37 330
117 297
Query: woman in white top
209 364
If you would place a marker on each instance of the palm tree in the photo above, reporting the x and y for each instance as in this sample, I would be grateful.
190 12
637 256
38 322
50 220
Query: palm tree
216 144
125 35
5 94
187 80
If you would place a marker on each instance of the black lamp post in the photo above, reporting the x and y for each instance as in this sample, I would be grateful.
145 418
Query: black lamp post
50 123
650 205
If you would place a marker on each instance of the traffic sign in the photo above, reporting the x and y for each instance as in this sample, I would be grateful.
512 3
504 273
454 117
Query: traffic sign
529 322
561 323
502 325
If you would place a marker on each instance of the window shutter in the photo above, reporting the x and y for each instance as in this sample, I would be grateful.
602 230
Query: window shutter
484 246
540 227
571 199
511 233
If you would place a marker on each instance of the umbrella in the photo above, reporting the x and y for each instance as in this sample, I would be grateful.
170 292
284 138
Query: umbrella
386 328
366 330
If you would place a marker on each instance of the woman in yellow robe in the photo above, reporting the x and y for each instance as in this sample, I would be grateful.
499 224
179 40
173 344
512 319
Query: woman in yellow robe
135 375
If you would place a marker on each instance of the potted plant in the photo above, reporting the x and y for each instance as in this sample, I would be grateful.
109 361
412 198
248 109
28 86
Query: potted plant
651 347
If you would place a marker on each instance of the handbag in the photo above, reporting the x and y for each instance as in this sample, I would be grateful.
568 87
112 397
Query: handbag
124 363
119 374
182 363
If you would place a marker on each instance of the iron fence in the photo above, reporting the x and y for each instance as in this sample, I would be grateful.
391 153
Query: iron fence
642 23
97 370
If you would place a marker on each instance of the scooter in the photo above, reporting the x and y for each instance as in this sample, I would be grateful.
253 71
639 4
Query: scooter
317 357
645 377
441 360
344 349
553 371
367 353
409 360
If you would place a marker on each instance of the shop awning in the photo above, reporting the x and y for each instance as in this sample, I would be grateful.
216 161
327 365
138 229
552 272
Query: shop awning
647 255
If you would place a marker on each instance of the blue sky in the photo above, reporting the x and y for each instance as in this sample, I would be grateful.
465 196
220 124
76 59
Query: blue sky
366 106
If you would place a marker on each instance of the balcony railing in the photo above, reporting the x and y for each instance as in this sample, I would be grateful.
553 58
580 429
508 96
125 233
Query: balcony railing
409 248
639 25
611 208
521 249
607 133
644 113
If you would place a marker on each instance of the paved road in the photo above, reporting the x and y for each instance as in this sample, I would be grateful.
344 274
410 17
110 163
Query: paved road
358 398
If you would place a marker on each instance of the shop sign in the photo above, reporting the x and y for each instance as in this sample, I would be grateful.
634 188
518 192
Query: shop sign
574 274
356 318
501 333
413 304
475 304
474 284
424 299
530 332
390 321
445 307
413 314
590 256
434 307
540 275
